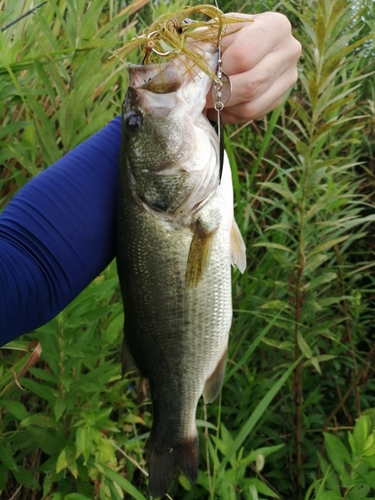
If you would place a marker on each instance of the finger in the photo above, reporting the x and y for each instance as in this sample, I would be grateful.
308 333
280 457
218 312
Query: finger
229 118
251 84
257 108
248 108
246 48
270 78
266 102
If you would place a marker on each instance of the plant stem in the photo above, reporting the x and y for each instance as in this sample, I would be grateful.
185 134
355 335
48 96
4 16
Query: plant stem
297 384
361 372
348 330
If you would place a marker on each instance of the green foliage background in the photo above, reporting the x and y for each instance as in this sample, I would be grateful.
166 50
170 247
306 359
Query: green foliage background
301 353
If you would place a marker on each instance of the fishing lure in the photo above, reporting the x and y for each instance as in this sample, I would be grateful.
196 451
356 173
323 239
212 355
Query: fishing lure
166 37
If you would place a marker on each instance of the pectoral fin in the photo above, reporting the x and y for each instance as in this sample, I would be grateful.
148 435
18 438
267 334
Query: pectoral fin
199 254
215 380
128 363
238 249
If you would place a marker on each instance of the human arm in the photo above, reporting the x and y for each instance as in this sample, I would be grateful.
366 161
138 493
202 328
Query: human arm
58 233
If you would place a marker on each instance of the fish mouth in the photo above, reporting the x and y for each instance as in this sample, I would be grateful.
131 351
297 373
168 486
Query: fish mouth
156 78
156 90
150 87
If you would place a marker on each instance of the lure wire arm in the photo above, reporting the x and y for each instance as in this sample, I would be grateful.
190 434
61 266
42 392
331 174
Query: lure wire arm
220 101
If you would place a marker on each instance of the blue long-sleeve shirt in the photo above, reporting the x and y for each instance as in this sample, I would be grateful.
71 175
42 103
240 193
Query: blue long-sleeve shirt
58 233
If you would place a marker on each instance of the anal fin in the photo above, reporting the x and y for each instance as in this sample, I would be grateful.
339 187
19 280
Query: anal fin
199 254
238 248
215 380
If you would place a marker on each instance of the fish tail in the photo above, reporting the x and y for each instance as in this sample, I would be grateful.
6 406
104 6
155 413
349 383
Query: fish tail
165 458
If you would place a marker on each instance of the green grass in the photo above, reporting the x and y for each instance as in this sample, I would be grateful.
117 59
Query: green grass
301 346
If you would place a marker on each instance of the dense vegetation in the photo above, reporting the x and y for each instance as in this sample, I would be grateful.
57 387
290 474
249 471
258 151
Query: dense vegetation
296 418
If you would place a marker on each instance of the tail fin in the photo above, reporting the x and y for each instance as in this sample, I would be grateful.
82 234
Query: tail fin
164 459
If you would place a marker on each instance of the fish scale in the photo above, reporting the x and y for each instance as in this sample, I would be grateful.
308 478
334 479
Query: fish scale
175 246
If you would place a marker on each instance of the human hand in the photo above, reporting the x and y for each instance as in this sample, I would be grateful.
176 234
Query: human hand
261 61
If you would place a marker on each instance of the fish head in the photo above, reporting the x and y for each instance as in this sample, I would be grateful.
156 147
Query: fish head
162 104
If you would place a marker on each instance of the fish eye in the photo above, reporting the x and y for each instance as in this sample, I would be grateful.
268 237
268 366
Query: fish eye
133 121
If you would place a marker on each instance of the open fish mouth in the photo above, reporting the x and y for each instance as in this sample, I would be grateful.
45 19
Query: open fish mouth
154 82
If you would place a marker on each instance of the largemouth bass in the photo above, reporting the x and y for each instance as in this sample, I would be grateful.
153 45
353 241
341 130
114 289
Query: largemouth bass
177 239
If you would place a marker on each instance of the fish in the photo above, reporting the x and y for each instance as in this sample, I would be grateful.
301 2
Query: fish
176 241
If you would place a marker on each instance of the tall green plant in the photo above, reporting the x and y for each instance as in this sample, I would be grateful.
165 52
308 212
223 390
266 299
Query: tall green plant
58 85
309 215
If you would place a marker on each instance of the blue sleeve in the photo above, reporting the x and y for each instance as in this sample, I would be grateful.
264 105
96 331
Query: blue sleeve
58 233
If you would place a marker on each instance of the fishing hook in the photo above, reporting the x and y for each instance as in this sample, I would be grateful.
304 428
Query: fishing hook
152 47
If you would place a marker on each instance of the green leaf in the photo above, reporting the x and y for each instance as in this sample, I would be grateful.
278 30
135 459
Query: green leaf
285 193
269 244
259 487
305 349
337 452
84 440
59 408
67 460
7 458
360 435
317 360
15 408
265 451
3 476
330 475
39 419
253 494
325 246
368 479
76 496
198 423
41 390
185 483
114 489
24 477
267 137
246 356
321 280
255 416
49 441
97 417
330 495
275 304
121 481
358 492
